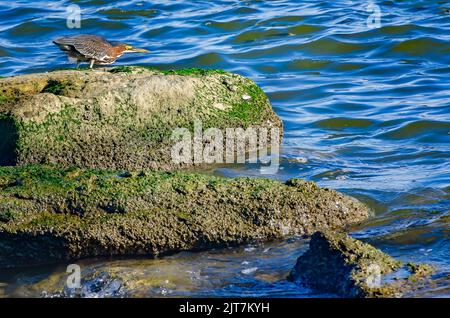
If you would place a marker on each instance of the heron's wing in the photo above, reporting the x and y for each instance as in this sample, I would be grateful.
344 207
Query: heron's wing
91 46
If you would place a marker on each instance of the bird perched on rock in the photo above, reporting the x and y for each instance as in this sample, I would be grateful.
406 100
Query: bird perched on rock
93 49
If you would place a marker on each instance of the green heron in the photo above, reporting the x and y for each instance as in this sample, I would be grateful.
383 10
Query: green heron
93 49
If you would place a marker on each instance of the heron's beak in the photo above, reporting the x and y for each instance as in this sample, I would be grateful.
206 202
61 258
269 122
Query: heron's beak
137 50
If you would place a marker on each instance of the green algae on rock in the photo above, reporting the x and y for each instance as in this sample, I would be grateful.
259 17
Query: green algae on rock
339 264
51 214
121 118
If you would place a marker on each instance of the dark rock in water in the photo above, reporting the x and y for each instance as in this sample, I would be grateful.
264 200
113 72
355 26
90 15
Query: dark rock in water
56 214
336 263
122 118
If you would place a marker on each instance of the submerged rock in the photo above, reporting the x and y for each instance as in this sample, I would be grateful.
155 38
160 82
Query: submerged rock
337 263
49 214
121 118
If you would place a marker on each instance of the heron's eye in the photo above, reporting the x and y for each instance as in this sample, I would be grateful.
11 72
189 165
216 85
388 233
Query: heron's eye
128 47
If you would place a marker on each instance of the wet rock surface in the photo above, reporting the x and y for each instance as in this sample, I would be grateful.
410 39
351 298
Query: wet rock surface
50 214
336 263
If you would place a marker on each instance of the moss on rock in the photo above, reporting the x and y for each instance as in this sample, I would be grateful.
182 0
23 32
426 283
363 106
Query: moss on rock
52 214
122 118
339 264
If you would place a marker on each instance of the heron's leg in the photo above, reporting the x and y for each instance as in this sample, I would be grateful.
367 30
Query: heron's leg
78 64
91 65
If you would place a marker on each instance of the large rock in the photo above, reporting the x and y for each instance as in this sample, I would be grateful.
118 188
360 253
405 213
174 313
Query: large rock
337 263
120 118
49 214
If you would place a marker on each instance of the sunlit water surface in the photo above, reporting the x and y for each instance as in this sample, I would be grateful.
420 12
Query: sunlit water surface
366 111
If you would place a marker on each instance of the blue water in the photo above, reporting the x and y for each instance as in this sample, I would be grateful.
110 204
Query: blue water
366 111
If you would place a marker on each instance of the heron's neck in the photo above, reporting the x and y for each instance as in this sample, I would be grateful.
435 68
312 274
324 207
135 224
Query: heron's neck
118 50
